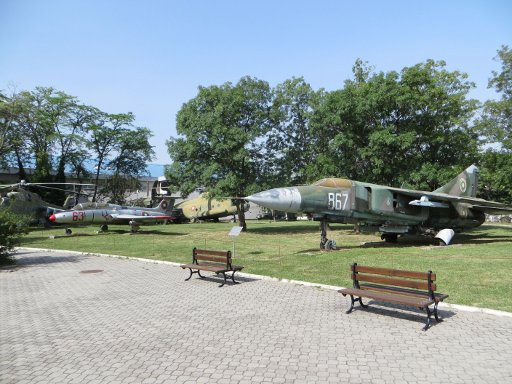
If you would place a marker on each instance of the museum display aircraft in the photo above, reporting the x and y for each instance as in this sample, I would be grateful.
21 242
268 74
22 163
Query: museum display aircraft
392 211
104 214
20 200
204 207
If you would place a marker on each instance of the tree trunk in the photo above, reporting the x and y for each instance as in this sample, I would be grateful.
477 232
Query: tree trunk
21 170
241 215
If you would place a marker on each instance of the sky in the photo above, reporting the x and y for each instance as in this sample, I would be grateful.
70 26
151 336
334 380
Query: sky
149 57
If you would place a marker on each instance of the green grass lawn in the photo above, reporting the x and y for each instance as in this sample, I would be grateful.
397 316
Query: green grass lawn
475 270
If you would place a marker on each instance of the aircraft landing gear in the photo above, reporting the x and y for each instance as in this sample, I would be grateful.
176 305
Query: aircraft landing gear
134 226
324 242
103 228
68 231
389 238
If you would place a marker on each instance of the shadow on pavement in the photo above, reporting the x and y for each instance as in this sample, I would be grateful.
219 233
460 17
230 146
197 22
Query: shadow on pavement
403 312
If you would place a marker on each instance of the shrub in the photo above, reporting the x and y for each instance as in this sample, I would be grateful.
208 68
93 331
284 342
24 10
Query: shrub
12 227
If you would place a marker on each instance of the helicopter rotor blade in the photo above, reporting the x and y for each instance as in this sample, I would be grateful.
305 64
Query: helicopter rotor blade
62 190
77 184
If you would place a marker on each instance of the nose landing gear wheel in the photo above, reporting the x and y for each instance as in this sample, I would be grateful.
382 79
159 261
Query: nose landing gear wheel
134 226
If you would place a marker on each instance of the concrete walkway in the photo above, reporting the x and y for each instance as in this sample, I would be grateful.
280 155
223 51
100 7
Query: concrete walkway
68 318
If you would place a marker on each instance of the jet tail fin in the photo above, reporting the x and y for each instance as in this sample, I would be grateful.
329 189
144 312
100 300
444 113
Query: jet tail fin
165 205
464 185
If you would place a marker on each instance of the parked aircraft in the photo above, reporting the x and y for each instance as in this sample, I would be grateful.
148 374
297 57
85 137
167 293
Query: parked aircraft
391 211
104 214
205 208
18 199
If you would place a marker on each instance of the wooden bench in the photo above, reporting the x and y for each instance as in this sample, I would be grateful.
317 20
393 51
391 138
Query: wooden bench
415 289
218 262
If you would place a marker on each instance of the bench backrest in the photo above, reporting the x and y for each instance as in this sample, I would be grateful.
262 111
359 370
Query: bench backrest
220 257
419 281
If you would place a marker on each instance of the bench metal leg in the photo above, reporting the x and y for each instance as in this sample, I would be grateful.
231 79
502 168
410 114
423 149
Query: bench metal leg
217 273
192 272
435 313
429 314
224 275
351 304
428 318
352 301
233 278
225 278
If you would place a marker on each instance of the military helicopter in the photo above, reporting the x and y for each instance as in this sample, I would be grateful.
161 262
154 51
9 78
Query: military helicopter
104 214
391 211
204 207
18 199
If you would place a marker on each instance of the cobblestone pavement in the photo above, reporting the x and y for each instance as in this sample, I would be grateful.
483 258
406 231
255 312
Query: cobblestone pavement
69 318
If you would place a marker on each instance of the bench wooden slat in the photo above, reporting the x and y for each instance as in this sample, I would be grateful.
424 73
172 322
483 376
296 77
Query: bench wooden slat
371 287
395 298
395 272
392 281
217 259
208 252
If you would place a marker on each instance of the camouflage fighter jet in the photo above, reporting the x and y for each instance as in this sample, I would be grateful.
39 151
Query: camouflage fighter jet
104 214
391 211
204 207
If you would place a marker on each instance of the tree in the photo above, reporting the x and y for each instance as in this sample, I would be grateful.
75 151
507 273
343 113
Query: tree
341 127
497 114
106 131
51 130
46 114
222 145
132 152
496 176
391 128
40 131
71 135
290 137
14 141
496 126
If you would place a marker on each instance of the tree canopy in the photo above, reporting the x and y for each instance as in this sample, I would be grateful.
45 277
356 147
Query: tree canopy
415 127
496 130
223 144
391 128
53 133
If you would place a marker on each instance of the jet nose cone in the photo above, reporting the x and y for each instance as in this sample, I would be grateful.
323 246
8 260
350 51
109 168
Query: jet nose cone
52 218
281 199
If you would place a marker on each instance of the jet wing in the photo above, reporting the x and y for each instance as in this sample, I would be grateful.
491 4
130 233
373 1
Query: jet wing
140 218
439 200
502 209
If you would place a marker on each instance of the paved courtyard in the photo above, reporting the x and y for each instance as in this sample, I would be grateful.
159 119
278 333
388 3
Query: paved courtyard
69 318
